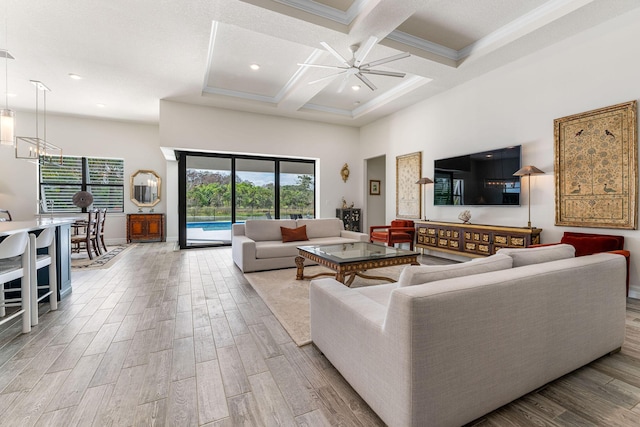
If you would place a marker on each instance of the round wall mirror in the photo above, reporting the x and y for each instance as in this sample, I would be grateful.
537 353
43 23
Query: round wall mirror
145 188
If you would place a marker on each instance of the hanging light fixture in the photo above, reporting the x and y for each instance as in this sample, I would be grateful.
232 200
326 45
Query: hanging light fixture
38 149
7 117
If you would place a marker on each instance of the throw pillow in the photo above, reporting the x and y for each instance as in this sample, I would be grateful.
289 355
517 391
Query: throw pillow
294 234
591 245
527 256
419 274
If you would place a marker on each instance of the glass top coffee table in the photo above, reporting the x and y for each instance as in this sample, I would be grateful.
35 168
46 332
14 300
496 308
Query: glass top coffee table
349 260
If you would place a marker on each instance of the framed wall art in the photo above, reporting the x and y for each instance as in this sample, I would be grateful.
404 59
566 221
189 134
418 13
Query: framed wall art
374 187
596 168
408 195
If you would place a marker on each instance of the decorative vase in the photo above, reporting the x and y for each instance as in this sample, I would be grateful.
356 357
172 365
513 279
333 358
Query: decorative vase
465 216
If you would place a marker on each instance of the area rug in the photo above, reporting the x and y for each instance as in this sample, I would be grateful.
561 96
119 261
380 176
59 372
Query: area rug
81 261
288 298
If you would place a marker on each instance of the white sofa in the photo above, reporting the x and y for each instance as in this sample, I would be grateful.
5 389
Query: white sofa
257 244
447 352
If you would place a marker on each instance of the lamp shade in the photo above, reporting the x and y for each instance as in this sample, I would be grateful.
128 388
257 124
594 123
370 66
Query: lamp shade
7 126
528 170
424 180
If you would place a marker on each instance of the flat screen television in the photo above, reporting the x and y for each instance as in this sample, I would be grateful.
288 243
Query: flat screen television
484 178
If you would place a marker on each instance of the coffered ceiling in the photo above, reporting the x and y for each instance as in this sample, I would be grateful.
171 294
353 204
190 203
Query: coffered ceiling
131 54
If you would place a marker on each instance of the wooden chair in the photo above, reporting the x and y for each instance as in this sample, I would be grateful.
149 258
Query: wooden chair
89 238
103 220
16 245
400 231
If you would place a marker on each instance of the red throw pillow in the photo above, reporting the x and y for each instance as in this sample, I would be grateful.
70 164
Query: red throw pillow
294 234
591 245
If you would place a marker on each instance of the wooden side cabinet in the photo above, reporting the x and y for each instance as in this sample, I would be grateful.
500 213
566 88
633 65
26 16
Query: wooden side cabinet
145 227
473 240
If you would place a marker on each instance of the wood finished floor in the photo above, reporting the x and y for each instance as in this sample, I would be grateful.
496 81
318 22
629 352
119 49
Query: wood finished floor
180 338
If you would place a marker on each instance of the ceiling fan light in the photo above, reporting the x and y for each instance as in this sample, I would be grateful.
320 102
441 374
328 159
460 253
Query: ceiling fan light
356 87
7 126
254 67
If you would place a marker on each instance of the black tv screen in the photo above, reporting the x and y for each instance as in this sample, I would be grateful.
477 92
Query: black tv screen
484 178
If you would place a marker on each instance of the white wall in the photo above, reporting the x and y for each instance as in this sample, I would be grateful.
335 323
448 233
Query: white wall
198 128
136 143
517 104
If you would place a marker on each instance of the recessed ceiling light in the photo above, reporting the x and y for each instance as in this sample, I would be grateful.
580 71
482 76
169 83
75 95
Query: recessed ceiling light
11 95
355 87
100 105
356 103
75 76
254 67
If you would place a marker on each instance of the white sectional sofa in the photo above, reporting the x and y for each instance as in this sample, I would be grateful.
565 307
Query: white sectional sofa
257 244
446 352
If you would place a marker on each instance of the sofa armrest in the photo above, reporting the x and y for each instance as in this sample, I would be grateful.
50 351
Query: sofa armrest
345 303
243 251
349 329
237 229
360 237
627 255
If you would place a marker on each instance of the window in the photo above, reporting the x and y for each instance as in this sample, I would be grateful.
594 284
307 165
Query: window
103 178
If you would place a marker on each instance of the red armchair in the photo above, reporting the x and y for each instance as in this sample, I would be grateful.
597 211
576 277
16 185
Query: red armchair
400 231
587 244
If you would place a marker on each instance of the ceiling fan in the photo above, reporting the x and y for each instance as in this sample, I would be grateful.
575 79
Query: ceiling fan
356 66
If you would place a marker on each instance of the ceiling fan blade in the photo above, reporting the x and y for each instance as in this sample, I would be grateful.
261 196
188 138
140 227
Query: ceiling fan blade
383 73
334 53
366 81
327 77
333 67
385 60
363 51
343 84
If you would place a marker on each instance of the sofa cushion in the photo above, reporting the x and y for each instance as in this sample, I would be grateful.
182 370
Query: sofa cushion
592 244
277 249
527 256
322 227
266 229
294 234
416 275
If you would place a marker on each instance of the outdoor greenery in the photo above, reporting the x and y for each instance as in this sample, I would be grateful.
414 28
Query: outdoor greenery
209 198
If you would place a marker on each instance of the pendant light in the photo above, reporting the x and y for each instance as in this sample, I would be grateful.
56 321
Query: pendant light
7 116
36 149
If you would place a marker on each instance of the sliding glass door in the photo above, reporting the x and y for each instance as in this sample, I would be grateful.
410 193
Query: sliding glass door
255 188
208 200
217 190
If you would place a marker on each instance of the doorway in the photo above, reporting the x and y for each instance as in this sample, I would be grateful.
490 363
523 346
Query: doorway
376 204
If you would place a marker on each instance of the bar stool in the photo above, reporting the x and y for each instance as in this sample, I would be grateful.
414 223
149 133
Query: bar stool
13 246
44 240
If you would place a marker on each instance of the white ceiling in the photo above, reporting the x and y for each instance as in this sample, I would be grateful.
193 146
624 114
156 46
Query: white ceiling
131 54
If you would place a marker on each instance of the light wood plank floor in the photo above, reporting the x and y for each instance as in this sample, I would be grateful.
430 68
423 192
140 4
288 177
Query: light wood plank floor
181 339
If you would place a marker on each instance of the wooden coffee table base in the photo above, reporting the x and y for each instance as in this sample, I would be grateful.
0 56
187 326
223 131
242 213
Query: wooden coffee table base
350 270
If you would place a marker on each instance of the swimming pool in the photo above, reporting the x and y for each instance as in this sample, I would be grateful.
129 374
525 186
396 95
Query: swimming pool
210 225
